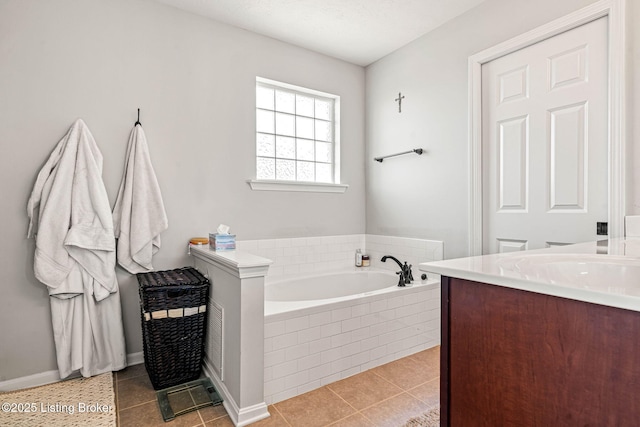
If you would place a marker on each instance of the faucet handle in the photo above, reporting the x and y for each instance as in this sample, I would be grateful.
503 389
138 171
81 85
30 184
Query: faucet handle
401 278
408 275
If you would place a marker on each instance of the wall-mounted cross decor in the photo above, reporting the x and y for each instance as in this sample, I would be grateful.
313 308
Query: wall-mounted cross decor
399 100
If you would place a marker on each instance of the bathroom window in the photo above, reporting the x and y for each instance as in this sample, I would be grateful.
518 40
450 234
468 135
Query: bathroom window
297 134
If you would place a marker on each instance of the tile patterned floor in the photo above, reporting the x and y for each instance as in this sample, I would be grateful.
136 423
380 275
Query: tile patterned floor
386 396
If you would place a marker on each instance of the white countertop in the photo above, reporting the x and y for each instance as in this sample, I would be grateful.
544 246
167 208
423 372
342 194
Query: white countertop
234 258
243 264
606 272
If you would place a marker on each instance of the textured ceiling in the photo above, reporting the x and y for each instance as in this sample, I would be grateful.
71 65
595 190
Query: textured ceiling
357 31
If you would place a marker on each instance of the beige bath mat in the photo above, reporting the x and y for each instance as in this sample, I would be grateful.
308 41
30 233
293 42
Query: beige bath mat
431 418
75 403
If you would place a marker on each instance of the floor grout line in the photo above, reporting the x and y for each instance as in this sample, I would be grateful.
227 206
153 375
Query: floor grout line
389 381
351 415
367 418
383 400
417 398
400 386
341 398
420 385
359 411
427 381
281 414
200 415
116 402
135 376
213 419
135 406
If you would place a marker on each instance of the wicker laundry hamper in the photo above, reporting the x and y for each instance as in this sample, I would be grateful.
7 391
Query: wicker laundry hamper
173 308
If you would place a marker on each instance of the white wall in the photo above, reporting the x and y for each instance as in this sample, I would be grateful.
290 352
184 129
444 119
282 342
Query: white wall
633 107
427 196
194 80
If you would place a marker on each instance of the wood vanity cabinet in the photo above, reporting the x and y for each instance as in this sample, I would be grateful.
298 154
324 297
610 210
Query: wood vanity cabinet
517 358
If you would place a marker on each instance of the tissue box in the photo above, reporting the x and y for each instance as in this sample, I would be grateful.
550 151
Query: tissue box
222 242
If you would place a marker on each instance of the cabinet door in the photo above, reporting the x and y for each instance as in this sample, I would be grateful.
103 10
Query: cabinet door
517 358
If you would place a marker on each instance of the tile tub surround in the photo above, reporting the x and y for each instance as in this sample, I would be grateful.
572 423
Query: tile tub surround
307 349
304 255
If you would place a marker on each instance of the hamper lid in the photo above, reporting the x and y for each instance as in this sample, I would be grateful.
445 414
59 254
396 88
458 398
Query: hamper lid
185 276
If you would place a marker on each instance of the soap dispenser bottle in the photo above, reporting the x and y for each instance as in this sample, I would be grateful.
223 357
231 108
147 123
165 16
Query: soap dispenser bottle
358 258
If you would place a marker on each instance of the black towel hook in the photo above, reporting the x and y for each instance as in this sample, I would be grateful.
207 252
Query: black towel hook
138 122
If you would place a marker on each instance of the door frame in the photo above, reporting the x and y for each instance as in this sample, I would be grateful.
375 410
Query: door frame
615 11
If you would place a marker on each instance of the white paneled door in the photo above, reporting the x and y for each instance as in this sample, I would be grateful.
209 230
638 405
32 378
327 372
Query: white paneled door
544 142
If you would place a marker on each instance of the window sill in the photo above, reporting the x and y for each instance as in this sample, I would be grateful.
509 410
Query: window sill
315 187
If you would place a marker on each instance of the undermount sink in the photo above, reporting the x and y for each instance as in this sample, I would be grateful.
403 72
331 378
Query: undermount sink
588 271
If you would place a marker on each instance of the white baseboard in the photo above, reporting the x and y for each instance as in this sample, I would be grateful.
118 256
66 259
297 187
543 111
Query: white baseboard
135 358
34 380
49 377
239 416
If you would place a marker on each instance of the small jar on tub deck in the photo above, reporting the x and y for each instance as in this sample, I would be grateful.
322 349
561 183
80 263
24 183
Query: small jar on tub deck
366 262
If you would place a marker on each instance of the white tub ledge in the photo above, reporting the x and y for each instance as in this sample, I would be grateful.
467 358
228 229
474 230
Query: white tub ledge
237 285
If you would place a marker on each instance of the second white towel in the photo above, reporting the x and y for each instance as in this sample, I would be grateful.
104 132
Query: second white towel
138 215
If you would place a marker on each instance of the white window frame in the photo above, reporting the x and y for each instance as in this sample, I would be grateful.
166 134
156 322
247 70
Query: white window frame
290 185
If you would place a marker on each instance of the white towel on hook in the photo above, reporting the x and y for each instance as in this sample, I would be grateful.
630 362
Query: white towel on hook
138 215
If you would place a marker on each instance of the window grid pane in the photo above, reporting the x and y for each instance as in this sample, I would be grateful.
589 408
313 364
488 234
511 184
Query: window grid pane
285 170
285 124
324 152
305 105
305 171
265 145
295 135
323 172
285 102
305 149
265 97
265 168
285 147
